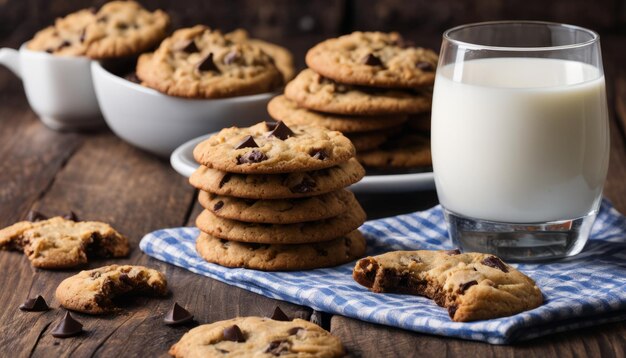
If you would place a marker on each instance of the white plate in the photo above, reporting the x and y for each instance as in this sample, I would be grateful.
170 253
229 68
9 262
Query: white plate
182 161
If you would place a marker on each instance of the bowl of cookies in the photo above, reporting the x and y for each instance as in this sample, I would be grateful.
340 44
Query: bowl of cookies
199 80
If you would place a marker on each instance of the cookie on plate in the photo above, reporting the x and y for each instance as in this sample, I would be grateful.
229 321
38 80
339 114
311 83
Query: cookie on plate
282 57
276 257
472 286
373 59
63 243
405 151
279 211
258 337
273 148
199 62
118 29
312 91
298 233
93 291
283 109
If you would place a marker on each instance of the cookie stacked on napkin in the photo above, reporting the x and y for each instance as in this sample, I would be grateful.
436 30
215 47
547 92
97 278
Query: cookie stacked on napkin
274 198
366 85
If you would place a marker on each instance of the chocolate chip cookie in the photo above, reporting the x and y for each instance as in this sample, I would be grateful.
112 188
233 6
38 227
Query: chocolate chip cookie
118 29
405 151
278 186
299 233
276 257
272 148
93 291
283 109
373 59
202 63
472 286
258 337
279 211
312 91
63 243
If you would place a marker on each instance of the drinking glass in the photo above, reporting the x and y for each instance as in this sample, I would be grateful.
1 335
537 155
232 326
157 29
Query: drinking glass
520 137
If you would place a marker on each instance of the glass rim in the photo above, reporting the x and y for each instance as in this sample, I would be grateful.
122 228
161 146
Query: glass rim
595 37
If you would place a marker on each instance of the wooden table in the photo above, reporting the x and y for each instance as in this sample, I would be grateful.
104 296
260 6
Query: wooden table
102 178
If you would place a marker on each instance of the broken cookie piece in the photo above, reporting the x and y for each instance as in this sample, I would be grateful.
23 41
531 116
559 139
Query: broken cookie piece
59 242
472 286
93 291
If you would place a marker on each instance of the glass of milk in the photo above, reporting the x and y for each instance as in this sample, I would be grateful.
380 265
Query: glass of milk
520 137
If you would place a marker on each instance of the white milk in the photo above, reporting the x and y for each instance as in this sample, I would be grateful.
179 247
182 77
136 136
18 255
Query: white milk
521 140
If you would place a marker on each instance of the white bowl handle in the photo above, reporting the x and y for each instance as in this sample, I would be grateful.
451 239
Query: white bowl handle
11 59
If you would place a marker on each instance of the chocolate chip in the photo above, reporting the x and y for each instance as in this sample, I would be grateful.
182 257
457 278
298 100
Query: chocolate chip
64 44
270 125
464 286
223 351
233 333
279 347
253 156
495 262
452 311
207 64
177 315
425 66
188 46
126 279
305 186
231 57
68 327
122 26
371 60
71 216
453 252
279 315
132 77
225 179
35 304
294 330
35 215
49 50
218 205
82 35
318 154
281 131
247 142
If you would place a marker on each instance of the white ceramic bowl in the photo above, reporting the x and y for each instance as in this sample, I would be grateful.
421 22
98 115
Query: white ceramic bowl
159 123
58 88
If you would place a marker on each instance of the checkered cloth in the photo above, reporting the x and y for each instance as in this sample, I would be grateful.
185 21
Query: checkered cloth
582 291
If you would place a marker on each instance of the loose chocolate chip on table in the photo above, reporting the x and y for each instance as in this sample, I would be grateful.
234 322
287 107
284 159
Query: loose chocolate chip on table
218 205
278 347
177 315
207 64
279 315
371 60
318 154
71 216
294 330
231 57
306 186
281 131
425 66
188 46
68 327
452 311
233 333
247 142
495 262
466 285
253 156
35 215
35 304
453 252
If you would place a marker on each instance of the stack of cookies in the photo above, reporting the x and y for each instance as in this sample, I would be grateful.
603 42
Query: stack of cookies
366 85
274 198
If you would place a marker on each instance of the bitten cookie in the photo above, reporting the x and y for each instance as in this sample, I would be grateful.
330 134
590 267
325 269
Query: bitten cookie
279 211
273 148
276 257
118 29
472 286
312 91
62 243
203 63
281 186
298 233
405 151
283 109
373 59
93 291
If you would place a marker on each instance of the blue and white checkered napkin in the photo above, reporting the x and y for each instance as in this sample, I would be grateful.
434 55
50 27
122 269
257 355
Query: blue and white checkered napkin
586 290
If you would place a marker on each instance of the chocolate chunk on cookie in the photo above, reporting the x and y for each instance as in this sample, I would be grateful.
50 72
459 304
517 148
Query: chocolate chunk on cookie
62 243
256 336
93 291
472 286
373 59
